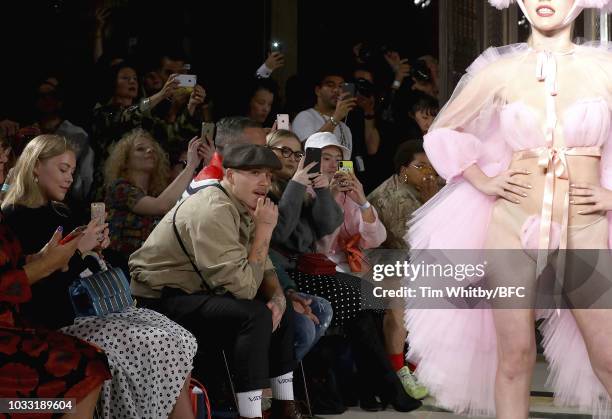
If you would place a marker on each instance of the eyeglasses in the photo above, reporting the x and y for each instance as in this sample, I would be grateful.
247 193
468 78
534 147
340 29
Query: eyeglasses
286 152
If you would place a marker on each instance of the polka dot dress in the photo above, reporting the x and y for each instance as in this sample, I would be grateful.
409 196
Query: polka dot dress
150 357
347 294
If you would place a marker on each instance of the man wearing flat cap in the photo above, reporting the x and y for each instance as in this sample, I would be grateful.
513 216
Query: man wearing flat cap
206 266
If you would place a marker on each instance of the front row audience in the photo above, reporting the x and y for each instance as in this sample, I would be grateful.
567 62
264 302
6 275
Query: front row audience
222 263
150 357
308 212
216 279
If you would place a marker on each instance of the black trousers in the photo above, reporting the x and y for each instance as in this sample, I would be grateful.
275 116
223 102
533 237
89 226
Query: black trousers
242 327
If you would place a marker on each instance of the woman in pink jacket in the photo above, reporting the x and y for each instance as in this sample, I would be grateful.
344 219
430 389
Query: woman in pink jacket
361 229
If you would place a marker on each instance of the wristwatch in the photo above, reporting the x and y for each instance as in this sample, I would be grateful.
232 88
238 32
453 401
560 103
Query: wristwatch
365 206
333 120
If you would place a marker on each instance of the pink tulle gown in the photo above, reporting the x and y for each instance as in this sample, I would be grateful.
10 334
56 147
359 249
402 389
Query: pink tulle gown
548 113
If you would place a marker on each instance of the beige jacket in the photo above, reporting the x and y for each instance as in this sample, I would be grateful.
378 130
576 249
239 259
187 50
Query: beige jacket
217 231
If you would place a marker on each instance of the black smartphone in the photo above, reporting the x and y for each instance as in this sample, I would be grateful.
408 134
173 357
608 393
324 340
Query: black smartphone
313 154
350 89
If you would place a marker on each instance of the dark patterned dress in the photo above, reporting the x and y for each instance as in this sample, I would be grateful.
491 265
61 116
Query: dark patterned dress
36 362
128 230
149 356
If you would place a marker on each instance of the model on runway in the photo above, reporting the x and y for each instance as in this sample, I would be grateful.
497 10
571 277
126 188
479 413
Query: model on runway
524 144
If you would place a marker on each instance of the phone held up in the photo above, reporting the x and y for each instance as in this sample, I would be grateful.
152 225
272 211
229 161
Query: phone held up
208 131
282 121
345 166
276 46
98 212
313 155
350 89
186 82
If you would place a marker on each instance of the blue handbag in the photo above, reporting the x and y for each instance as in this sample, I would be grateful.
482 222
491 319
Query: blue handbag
101 293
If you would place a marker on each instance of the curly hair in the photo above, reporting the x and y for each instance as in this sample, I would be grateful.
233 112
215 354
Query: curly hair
24 189
117 164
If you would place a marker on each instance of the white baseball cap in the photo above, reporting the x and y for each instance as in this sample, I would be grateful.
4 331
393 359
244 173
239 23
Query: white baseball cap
326 139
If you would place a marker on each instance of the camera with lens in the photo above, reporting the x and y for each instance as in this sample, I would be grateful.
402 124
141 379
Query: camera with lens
364 88
420 72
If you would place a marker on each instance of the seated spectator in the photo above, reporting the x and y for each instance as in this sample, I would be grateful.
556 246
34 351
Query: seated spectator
327 115
50 120
181 121
313 314
122 112
413 184
150 356
138 191
361 229
307 213
36 362
221 283
395 200
260 101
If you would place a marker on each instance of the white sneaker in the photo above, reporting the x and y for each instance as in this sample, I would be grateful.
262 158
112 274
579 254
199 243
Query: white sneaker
411 386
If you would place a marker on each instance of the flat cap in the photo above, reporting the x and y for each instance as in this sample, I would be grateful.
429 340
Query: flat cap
250 156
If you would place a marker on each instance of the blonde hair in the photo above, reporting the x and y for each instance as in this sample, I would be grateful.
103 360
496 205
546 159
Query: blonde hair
24 189
272 139
117 164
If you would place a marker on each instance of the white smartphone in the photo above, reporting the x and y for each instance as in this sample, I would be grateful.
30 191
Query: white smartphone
187 80
98 212
282 121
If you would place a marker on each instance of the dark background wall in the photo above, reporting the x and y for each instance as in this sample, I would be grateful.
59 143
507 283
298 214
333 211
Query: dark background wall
226 40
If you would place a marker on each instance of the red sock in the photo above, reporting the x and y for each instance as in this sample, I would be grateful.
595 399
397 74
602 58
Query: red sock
412 367
397 361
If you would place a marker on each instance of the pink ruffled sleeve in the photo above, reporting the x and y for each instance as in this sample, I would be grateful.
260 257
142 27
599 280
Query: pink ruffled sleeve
451 152
457 137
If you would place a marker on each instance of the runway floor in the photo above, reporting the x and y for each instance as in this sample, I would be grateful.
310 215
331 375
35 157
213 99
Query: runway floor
541 405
